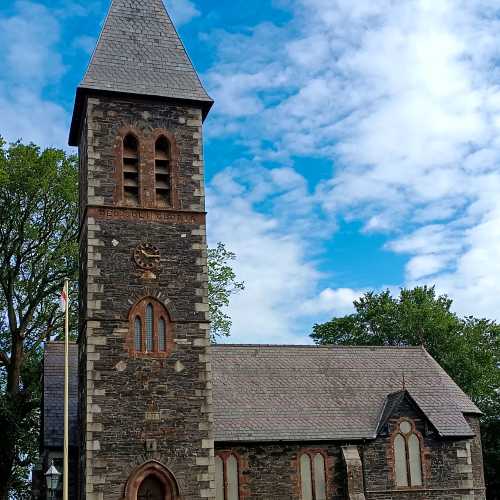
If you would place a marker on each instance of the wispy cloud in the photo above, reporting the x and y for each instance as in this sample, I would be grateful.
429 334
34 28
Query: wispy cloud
29 62
403 98
182 11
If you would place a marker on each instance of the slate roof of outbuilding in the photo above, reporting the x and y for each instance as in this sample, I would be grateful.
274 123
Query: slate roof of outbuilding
270 393
140 52
53 394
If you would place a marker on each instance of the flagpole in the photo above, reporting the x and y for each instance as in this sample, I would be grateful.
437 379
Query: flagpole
66 393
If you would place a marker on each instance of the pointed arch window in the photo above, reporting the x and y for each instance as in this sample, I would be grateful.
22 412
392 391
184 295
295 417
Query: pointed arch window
226 477
312 469
407 456
138 333
130 170
163 172
151 331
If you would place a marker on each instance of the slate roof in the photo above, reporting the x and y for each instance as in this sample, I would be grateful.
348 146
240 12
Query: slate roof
298 393
53 394
140 52
270 393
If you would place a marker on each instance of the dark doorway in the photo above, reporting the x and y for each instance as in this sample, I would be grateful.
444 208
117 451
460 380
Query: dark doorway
152 489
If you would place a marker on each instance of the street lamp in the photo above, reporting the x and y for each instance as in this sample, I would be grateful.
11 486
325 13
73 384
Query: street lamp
52 476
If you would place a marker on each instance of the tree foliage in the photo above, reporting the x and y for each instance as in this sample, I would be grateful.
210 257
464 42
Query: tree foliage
221 285
467 348
38 249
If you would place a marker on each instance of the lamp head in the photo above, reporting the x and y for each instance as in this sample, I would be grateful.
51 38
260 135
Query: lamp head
52 476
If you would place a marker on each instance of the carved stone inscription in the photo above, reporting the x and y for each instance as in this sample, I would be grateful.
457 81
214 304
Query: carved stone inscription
139 214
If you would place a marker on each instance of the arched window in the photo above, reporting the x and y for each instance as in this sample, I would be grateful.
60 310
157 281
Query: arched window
150 329
138 333
162 335
163 180
130 170
226 477
407 456
312 476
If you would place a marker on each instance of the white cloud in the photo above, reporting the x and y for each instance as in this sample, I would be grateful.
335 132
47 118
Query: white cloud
403 97
182 11
273 254
29 63
332 302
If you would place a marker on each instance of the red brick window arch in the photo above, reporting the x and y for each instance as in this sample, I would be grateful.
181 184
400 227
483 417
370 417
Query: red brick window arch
407 455
130 170
150 329
312 474
227 485
163 172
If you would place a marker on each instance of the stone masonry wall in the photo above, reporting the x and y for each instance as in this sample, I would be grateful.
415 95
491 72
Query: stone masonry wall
270 470
137 409
446 463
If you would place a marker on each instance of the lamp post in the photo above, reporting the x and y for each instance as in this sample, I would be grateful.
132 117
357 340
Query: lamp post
52 476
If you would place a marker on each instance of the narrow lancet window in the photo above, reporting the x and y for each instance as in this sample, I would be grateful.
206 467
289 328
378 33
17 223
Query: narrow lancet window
162 335
163 181
130 170
149 328
138 334
226 477
312 468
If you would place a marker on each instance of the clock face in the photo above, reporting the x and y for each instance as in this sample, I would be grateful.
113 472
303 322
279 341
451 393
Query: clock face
147 256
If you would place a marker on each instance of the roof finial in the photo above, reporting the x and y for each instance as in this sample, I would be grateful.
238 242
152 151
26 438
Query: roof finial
404 381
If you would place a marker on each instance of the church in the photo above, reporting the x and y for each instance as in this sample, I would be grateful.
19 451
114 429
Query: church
156 411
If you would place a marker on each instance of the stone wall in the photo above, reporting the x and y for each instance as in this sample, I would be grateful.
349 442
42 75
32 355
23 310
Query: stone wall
270 471
447 467
135 409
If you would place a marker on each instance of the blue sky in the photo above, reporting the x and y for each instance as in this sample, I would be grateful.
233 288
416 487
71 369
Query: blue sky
353 145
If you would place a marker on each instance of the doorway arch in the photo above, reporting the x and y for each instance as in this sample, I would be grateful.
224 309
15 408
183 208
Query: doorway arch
151 481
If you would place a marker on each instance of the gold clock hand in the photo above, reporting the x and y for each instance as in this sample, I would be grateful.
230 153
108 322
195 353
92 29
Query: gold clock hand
149 255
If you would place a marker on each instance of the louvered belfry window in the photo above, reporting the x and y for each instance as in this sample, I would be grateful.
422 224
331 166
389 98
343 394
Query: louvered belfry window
163 179
312 476
130 169
150 328
407 456
226 477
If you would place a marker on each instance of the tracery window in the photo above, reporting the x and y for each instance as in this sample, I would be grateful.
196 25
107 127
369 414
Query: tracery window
163 164
150 328
407 456
312 476
130 170
226 477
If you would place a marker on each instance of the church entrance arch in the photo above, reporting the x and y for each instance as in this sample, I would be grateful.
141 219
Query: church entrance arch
151 481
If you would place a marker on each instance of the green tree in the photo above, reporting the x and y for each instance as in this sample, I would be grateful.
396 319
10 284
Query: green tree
467 348
221 285
38 249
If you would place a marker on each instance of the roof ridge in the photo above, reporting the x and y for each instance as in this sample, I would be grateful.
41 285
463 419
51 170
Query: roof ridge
321 346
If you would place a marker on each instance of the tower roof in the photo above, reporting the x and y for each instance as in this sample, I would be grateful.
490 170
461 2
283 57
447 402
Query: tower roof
140 52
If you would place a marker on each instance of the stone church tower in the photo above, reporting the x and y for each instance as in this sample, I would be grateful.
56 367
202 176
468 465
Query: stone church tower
145 416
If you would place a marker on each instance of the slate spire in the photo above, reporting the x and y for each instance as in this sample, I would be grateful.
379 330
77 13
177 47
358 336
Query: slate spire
140 52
